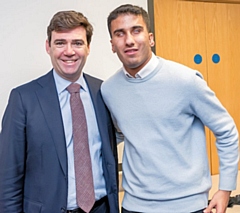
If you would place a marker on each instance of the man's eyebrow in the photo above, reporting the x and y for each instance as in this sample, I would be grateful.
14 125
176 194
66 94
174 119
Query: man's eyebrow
137 26
117 31
78 40
74 40
56 40
133 27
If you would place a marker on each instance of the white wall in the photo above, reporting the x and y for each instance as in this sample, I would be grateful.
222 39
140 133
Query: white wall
23 26
23 33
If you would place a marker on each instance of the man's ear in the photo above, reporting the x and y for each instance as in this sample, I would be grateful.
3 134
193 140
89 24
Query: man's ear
151 39
113 48
88 48
47 46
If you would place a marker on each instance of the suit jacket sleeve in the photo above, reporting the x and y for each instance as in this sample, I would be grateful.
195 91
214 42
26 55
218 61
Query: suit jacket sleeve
12 155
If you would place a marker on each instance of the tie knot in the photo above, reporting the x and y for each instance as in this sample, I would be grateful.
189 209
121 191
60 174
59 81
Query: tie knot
73 88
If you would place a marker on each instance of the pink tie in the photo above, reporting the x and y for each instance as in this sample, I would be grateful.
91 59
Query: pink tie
82 160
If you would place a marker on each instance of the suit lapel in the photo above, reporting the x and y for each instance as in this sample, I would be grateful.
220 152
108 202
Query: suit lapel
94 88
100 111
49 102
106 132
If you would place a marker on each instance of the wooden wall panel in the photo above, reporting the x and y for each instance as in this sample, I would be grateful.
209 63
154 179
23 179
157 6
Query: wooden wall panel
222 38
186 28
180 35
217 1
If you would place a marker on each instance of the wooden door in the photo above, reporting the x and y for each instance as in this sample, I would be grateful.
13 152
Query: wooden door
184 29
223 39
180 35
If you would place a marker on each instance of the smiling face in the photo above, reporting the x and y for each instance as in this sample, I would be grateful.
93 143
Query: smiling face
131 41
68 52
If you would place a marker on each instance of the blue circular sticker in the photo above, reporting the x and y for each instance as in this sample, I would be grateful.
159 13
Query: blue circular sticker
198 59
215 58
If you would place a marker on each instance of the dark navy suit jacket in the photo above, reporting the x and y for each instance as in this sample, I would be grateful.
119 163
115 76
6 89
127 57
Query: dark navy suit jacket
33 156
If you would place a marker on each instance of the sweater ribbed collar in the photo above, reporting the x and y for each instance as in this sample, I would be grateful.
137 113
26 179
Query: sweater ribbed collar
149 72
146 70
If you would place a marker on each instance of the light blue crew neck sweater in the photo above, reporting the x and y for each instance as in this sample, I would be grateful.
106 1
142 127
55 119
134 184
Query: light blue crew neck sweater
162 118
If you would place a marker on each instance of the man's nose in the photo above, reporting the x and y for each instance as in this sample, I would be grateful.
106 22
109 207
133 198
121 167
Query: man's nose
69 50
129 39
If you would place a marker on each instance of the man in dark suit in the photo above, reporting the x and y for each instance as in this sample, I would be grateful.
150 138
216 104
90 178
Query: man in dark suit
36 141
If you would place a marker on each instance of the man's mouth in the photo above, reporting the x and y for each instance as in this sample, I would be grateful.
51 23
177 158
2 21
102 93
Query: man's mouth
69 61
130 51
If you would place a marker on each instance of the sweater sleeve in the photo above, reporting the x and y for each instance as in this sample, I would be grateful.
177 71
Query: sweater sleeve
105 94
211 112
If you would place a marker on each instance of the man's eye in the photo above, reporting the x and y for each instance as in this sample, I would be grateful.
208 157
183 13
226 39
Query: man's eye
59 44
119 34
78 43
137 30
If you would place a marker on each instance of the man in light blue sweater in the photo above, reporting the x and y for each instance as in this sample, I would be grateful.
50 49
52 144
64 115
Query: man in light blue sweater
160 108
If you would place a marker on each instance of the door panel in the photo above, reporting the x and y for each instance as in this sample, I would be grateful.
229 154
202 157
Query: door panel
223 38
185 28
180 35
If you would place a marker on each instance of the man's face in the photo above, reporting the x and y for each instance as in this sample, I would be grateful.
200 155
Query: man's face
131 41
68 51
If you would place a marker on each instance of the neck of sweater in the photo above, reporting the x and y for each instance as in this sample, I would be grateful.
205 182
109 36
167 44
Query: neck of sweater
149 76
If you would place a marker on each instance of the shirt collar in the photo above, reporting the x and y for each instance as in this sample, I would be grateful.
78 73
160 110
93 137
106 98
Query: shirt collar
146 70
62 84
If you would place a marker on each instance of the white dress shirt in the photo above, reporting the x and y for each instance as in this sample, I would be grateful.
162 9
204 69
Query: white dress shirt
94 138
